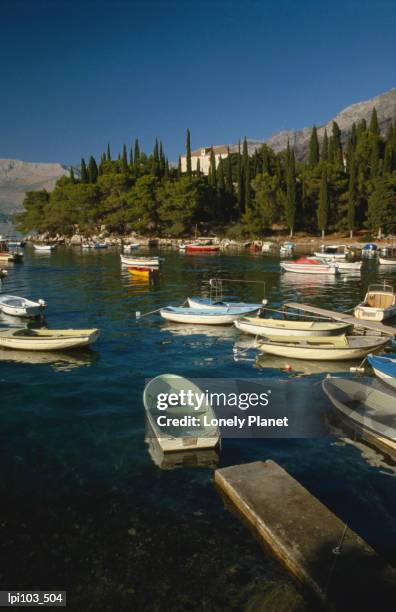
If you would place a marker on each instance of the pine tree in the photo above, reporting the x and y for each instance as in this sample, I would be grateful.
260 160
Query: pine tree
155 167
229 182
374 127
108 152
265 168
324 156
313 148
291 200
92 170
83 171
352 195
166 170
323 207
188 153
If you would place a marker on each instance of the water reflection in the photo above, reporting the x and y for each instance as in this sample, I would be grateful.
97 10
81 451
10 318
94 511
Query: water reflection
59 361
208 459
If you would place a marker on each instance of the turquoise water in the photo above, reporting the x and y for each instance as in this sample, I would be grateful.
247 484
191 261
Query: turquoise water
84 506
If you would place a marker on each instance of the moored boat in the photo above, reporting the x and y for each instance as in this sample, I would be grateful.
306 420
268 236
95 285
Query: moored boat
21 307
286 248
342 265
330 348
379 304
208 303
282 327
3 273
45 248
309 265
384 367
332 252
166 424
100 245
196 247
142 270
46 339
7 255
387 262
367 409
203 316
147 262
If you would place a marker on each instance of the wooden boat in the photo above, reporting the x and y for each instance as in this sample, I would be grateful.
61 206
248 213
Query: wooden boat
46 339
368 410
45 248
145 262
171 437
202 316
387 262
283 327
332 252
309 265
21 307
142 271
384 367
379 304
330 348
210 304
196 247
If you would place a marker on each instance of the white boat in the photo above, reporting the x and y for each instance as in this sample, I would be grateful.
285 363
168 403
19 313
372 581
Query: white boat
150 262
202 316
309 265
387 262
286 248
7 255
366 409
45 248
100 245
46 339
384 367
379 304
3 273
87 245
330 348
267 247
21 307
282 327
332 252
342 266
192 435
127 248
210 304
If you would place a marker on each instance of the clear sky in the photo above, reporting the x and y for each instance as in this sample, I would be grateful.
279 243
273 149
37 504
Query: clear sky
78 74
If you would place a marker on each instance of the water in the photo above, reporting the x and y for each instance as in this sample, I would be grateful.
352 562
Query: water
85 508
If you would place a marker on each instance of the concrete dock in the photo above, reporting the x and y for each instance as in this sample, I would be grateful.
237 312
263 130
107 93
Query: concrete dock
342 316
338 566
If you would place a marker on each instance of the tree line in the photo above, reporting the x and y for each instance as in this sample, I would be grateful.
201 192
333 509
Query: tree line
336 188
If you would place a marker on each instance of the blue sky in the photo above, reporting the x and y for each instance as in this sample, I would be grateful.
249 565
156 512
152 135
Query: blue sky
78 74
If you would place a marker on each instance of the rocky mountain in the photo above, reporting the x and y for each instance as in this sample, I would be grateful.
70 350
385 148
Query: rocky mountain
385 105
17 177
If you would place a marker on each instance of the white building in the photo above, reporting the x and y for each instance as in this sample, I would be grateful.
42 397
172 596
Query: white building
203 155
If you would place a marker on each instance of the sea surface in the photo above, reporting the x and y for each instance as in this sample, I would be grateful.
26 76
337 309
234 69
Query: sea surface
84 505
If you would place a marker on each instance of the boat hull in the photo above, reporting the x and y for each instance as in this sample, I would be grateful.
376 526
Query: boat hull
26 343
387 262
319 353
260 330
208 248
208 304
308 268
201 319
147 262
368 313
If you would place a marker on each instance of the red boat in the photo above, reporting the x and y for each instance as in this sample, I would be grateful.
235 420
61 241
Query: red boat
202 248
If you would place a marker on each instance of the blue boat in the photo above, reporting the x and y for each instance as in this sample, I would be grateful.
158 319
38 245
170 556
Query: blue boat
384 367
204 316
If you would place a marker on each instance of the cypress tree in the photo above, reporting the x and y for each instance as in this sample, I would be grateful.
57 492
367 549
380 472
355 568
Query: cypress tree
179 168
166 170
265 160
240 180
131 157
136 154
245 176
155 167
394 145
220 178
246 180
323 207
83 171
374 156
291 200
374 127
161 160
387 165
73 180
124 160
92 170
324 156
198 167
335 155
212 169
188 153
108 152
313 148
229 182
352 195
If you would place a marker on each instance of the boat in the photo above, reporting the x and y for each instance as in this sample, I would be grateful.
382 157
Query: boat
309 265
100 245
196 247
286 248
325 348
343 266
387 262
3 273
267 247
172 437
46 339
384 367
145 262
87 245
203 316
366 409
369 250
21 307
379 304
332 252
127 248
210 304
7 255
45 248
282 327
